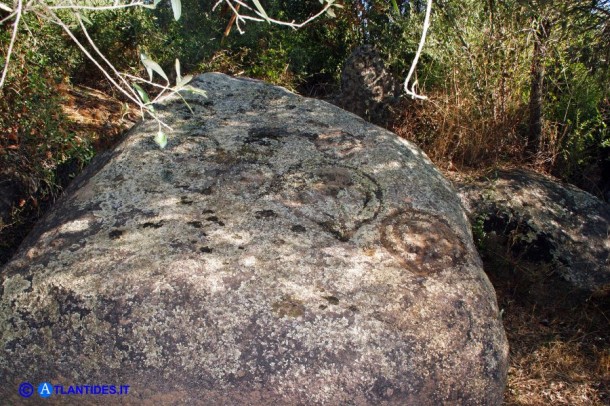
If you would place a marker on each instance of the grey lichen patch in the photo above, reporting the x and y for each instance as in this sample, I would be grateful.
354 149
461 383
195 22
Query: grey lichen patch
16 285
288 307
167 175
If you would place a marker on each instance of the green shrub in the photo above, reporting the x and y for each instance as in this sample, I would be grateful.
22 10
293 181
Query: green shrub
574 109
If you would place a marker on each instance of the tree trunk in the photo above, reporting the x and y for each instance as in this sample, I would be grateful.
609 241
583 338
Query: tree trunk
536 88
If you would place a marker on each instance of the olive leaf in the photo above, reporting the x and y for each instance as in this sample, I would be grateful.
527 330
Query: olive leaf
177 9
260 9
152 66
161 139
143 95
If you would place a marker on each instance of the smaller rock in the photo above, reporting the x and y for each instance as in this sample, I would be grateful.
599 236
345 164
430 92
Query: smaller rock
546 221
367 89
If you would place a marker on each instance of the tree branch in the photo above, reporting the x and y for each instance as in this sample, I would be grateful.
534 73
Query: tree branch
411 92
18 12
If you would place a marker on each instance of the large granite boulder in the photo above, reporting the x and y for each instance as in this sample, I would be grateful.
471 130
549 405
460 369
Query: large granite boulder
279 250
545 221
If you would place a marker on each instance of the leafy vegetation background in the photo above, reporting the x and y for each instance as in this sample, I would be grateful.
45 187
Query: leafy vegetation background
478 66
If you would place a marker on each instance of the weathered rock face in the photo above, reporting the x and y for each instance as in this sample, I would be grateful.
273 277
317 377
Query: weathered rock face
547 222
367 89
278 251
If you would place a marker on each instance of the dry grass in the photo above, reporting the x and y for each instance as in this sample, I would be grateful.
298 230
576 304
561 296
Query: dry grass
548 367
96 117
455 131
460 133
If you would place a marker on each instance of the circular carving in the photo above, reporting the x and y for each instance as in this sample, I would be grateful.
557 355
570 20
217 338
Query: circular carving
423 242
340 199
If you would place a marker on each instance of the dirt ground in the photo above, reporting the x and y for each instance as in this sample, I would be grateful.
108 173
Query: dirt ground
559 337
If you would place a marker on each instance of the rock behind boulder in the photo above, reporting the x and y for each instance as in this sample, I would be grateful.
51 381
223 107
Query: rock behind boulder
546 222
367 88
279 250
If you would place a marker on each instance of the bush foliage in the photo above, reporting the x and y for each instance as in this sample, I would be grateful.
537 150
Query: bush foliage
35 132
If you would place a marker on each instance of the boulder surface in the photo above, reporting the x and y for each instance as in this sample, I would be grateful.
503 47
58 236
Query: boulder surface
279 250
546 221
